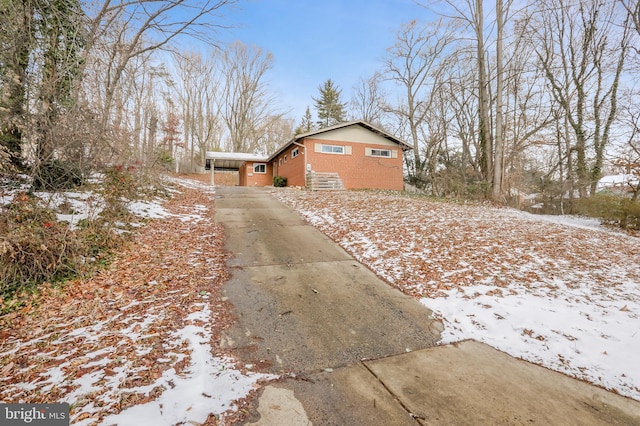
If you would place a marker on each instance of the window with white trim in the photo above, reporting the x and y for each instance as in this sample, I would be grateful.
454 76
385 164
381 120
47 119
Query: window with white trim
381 153
285 158
333 149
294 152
259 168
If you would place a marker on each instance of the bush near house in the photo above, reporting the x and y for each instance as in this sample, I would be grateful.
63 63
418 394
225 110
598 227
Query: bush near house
279 181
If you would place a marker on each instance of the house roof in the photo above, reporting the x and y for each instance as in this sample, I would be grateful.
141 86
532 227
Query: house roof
620 181
405 146
233 160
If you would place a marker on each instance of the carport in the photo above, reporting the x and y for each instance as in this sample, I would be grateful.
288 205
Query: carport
228 161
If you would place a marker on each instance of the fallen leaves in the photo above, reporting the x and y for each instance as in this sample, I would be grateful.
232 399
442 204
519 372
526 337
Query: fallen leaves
429 247
531 286
101 344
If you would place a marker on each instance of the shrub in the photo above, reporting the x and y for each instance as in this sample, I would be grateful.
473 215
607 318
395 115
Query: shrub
34 246
165 160
279 181
55 174
611 209
127 183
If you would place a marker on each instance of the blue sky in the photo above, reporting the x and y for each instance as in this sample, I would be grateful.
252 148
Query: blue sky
312 41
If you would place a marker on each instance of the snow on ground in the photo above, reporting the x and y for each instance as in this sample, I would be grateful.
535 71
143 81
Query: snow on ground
569 220
73 207
563 292
210 385
135 344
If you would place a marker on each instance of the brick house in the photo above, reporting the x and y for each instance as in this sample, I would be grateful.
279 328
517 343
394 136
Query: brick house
351 155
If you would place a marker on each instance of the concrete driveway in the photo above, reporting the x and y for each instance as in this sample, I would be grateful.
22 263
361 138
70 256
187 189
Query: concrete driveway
352 350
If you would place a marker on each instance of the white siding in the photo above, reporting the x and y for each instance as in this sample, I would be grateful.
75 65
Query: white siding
356 134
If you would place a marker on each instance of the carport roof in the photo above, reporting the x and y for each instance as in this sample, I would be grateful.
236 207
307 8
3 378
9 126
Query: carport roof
233 160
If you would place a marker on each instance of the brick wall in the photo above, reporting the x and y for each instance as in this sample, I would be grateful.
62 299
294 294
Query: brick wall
249 178
291 168
357 170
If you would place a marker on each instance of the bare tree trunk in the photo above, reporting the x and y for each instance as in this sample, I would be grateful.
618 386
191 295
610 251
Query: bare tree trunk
486 143
499 141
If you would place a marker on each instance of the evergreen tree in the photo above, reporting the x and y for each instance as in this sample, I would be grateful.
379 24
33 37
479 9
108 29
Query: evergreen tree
306 125
329 108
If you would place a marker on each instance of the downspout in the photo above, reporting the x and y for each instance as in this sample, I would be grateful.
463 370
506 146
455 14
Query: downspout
304 153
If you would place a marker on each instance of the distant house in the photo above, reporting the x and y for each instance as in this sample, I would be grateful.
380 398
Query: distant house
621 184
353 155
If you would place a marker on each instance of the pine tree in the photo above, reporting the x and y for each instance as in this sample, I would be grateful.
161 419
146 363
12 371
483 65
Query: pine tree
329 108
306 125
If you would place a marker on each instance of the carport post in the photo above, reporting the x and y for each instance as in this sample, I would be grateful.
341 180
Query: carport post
213 168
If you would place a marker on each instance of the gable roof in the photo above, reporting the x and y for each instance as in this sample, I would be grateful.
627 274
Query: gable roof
403 145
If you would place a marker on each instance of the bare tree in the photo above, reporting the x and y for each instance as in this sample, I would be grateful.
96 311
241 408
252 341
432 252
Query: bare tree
121 31
471 14
499 134
274 131
199 85
413 63
526 110
461 157
633 9
367 102
245 103
582 52
632 112
493 42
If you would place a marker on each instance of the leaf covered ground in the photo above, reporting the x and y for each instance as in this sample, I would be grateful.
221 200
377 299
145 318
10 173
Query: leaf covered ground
563 292
136 344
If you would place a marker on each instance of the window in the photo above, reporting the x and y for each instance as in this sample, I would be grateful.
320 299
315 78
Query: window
259 168
294 152
285 158
279 161
333 149
384 153
381 153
